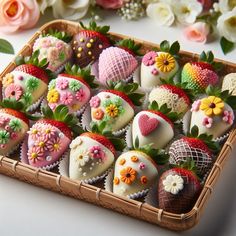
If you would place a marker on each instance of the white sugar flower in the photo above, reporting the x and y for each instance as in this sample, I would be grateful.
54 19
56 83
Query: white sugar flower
44 4
82 157
161 12
226 5
173 184
70 10
226 25
187 11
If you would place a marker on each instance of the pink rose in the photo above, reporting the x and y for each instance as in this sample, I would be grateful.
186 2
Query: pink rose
18 14
197 32
207 4
110 4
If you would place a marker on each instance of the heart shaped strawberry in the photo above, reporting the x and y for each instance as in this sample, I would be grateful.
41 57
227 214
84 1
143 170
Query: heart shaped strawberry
55 46
154 126
118 63
89 43
73 88
158 66
115 106
28 81
14 124
214 114
178 190
49 138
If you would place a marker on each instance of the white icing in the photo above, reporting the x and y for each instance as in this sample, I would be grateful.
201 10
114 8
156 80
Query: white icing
218 128
76 170
173 184
150 171
160 137
120 121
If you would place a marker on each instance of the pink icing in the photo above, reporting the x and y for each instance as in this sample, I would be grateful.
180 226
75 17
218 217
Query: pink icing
96 152
142 166
13 91
155 71
50 154
207 122
147 124
14 135
67 98
149 58
80 95
228 117
95 102
62 83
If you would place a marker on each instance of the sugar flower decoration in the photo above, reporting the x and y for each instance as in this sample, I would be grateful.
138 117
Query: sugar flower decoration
128 175
165 62
53 96
82 157
15 124
74 85
8 79
35 154
4 136
54 145
97 152
80 95
32 84
13 91
62 83
67 98
212 105
95 102
228 117
149 58
173 184
98 114
207 121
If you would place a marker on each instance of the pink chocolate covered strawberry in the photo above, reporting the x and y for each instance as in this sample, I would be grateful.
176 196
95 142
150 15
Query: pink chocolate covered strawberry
199 75
89 43
118 63
178 190
49 138
73 89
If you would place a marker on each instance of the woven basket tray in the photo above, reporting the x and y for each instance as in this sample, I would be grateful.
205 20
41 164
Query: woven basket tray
98 196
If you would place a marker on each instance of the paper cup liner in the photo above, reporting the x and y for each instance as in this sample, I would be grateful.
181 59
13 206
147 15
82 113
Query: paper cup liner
34 106
24 159
86 120
186 124
63 169
108 185
151 197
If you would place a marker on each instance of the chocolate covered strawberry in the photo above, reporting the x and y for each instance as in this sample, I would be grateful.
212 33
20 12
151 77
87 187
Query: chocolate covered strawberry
194 147
55 46
27 82
73 89
178 190
199 75
93 153
14 124
118 63
174 95
90 42
115 106
158 66
155 126
49 138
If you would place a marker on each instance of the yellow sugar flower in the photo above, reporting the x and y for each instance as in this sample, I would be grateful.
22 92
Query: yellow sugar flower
8 79
112 110
212 105
53 96
165 62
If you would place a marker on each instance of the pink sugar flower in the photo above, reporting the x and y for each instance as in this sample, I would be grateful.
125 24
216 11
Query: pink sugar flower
96 152
41 143
95 102
13 91
7 127
228 117
67 98
80 95
62 83
35 154
14 135
49 132
149 58
35 132
207 122
2 121
142 166
155 71
3 146
54 145
196 105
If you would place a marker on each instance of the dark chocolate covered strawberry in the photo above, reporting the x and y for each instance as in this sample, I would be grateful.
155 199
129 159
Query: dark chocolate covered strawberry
178 190
90 42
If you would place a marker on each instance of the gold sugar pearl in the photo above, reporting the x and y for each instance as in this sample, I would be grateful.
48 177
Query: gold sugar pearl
91 40
93 57
89 53
100 46
75 42
80 49
78 55
88 45
81 40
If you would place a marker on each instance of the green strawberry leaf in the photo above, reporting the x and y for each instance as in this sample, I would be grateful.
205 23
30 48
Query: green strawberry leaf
226 45
6 47
130 44
174 48
62 35
165 46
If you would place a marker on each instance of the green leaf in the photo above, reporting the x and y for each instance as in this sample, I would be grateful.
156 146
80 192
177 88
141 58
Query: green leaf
136 143
203 56
210 57
165 46
194 131
174 49
6 47
231 101
226 45
119 144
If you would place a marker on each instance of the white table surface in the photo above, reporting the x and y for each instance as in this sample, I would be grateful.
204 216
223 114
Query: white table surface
28 210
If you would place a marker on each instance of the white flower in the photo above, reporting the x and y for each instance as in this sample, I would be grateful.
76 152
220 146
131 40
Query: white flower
161 12
70 10
226 5
173 184
216 7
187 11
226 25
44 4
82 157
